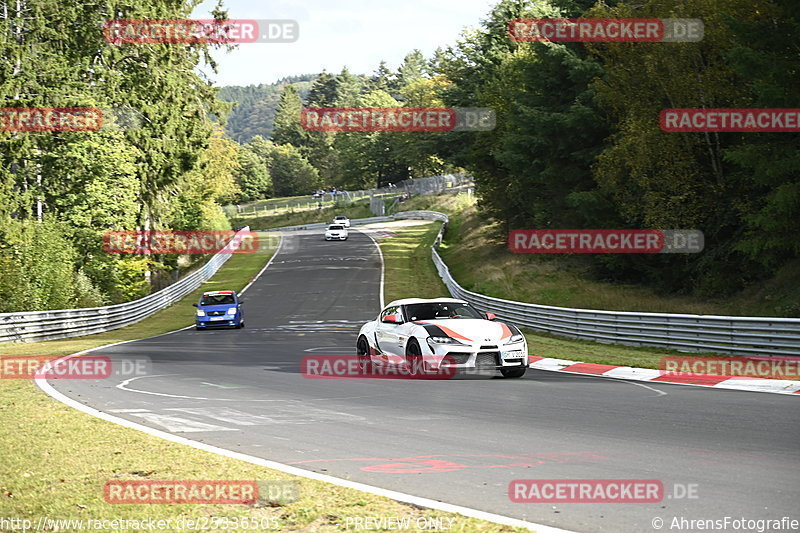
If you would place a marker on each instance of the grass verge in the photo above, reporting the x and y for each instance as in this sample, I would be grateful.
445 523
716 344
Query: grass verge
410 273
55 460
481 262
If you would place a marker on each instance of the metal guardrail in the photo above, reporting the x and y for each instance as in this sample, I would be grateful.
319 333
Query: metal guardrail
447 183
763 336
323 225
59 324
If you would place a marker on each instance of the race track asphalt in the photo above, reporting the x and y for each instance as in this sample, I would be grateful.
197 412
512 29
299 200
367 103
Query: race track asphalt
460 441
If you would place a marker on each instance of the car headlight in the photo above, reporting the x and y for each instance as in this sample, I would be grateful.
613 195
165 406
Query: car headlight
442 340
515 339
201 313
231 311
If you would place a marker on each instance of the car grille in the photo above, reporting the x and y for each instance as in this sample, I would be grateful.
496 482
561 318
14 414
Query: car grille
216 313
487 359
458 358
488 347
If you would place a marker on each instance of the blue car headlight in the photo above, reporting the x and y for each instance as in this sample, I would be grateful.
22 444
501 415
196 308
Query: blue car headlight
231 311
201 313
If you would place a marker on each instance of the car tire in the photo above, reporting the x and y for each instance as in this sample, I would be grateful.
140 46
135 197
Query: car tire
513 373
197 328
362 351
414 358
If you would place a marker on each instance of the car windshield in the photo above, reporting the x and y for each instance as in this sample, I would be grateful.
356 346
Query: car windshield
217 299
430 311
339 218
336 227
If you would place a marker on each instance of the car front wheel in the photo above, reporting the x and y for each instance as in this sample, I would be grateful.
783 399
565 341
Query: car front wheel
362 350
414 357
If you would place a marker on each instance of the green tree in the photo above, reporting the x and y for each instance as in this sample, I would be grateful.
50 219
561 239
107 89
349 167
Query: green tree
252 176
292 174
288 129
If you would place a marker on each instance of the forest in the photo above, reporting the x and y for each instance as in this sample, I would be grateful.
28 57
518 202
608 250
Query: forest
577 142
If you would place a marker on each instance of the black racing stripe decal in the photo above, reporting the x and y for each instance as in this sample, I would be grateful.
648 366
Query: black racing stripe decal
514 329
433 330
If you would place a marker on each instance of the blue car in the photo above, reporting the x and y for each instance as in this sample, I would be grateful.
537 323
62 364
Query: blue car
219 309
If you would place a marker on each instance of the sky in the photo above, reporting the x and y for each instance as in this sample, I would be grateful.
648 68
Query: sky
333 34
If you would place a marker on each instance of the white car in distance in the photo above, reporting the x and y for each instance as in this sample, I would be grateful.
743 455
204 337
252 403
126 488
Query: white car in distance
336 232
341 221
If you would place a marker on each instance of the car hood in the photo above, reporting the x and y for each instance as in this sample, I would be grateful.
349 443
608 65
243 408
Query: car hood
217 307
468 329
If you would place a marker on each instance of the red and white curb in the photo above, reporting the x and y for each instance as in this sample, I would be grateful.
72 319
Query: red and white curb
779 386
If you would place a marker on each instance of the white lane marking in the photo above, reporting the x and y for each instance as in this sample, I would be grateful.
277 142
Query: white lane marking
660 392
221 386
124 386
223 414
627 372
383 266
293 412
180 425
271 259
328 348
293 470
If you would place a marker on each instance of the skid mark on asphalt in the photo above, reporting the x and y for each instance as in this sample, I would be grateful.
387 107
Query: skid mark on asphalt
177 424
431 464
293 412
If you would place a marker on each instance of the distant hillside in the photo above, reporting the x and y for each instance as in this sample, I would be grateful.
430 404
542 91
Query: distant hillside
257 104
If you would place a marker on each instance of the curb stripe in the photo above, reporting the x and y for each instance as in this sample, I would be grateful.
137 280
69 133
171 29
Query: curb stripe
742 383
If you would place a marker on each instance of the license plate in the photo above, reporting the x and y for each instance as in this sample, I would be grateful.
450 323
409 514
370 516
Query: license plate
217 318
514 354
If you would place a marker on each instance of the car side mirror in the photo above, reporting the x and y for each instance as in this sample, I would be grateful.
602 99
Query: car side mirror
390 319
491 316
194 305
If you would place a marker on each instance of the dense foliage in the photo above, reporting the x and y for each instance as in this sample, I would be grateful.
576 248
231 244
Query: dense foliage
60 191
577 142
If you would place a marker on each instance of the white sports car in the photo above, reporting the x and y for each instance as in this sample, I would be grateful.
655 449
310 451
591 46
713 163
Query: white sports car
336 232
442 332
